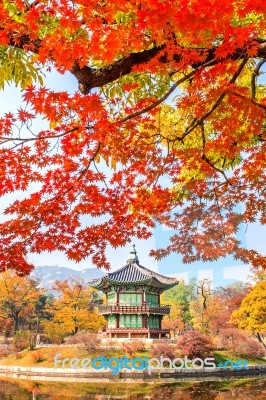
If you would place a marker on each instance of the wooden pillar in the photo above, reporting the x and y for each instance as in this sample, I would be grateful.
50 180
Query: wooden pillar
144 321
117 321
144 298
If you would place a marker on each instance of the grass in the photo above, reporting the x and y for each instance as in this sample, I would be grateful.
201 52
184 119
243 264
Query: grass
222 356
44 357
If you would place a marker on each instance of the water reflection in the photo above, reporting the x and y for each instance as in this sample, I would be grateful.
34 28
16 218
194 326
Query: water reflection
253 389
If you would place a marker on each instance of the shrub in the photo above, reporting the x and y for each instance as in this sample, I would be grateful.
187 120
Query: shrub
111 343
6 351
250 348
227 338
196 344
55 332
24 340
18 355
240 344
165 350
44 339
38 356
133 346
85 340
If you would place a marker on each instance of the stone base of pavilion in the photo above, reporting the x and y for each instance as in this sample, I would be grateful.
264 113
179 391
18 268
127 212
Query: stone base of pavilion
148 335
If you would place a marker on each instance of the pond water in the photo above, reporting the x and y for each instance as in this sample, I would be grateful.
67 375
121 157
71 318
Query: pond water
253 389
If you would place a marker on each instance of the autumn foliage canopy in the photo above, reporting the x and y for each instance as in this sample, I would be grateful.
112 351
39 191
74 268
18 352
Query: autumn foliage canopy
167 125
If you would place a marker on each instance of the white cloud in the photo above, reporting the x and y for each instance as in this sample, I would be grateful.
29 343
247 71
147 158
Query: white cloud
240 273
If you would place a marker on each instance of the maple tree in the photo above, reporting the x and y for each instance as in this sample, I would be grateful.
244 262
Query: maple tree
169 96
240 343
195 344
226 300
164 349
258 274
251 315
174 320
87 340
211 310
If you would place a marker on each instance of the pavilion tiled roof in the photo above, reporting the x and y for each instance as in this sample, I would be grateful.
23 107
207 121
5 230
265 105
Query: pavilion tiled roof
132 272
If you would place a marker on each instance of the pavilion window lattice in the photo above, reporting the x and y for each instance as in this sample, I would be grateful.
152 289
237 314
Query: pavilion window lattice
130 299
130 321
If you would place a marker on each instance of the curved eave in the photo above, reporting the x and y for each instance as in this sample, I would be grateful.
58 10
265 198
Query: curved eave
105 282
164 286
99 283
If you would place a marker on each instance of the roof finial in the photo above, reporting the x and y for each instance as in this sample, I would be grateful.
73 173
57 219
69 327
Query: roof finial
133 258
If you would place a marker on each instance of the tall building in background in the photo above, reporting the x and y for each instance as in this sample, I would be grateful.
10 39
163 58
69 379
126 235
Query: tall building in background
222 272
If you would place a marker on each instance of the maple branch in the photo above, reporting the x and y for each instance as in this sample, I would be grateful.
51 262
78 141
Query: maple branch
23 42
197 122
203 138
27 240
263 106
24 140
220 211
205 158
83 171
90 78
104 181
165 96
156 103
34 4
253 78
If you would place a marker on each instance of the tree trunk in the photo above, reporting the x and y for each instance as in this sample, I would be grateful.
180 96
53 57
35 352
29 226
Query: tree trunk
258 336
15 324
37 325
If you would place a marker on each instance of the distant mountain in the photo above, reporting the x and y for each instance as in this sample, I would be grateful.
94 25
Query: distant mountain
49 273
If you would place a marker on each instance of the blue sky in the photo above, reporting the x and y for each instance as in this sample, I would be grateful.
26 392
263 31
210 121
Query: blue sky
255 235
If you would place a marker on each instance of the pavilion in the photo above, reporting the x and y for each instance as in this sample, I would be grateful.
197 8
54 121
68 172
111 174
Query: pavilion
133 308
